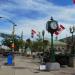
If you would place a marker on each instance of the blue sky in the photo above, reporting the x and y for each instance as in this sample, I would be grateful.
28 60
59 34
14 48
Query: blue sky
33 14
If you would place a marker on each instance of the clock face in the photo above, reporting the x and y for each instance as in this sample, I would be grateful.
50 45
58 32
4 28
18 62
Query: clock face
54 25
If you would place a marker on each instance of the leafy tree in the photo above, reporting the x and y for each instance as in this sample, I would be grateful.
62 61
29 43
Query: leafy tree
39 44
28 43
7 42
18 43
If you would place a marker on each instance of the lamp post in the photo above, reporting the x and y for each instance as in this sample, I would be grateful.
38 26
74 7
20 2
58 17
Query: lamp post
12 31
72 30
22 43
43 33
72 57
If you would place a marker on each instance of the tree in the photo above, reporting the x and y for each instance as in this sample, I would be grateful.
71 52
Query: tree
18 43
28 43
7 42
39 44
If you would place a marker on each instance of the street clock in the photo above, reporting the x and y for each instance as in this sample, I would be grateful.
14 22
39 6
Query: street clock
52 26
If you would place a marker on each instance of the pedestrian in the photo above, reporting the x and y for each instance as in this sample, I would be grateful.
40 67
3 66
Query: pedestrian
33 55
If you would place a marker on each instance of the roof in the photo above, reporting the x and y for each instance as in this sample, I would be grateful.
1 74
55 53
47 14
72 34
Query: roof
59 43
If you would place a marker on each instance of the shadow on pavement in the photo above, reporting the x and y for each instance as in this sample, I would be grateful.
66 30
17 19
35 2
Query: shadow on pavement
18 67
30 69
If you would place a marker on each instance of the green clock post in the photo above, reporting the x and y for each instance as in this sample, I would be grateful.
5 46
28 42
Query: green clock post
51 27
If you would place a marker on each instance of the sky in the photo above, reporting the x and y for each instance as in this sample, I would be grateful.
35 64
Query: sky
34 14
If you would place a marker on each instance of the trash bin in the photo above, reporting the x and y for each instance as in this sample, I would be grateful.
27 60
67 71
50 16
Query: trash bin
10 59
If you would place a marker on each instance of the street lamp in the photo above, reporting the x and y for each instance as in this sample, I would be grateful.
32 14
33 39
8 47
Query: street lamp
12 31
22 42
72 30
52 26
13 34
43 33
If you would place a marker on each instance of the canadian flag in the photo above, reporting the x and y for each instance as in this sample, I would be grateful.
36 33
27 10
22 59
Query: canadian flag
60 29
33 32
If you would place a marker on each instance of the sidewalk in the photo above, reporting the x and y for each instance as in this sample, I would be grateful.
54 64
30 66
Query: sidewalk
22 67
27 66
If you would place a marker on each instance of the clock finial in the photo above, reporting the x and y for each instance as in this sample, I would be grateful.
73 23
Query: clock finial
51 18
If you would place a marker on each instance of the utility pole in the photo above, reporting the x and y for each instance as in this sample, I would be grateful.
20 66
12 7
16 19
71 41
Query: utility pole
13 37
12 31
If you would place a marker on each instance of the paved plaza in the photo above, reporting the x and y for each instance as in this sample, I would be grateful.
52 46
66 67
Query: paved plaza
28 66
